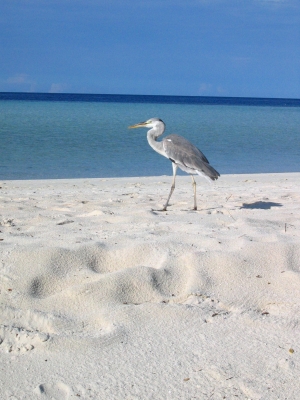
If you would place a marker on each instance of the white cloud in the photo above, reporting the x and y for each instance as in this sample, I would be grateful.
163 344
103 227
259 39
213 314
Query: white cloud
221 91
205 88
57 88
21 82
18 79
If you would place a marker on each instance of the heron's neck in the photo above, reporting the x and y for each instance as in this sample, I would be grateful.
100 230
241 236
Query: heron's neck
152 137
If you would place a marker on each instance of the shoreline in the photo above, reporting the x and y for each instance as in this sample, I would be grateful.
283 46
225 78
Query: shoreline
104 296
181 175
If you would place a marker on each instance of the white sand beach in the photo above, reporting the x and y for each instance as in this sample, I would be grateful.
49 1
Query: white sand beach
104 297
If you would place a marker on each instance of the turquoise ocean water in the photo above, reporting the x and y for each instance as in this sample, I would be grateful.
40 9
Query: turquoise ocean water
81 136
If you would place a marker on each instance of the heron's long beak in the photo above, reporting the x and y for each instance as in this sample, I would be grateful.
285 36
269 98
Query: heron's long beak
139 125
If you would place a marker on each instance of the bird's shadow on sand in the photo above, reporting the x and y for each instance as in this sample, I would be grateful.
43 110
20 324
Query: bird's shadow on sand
263 205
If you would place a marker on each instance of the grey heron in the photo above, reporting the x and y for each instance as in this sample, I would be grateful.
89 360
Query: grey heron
180 151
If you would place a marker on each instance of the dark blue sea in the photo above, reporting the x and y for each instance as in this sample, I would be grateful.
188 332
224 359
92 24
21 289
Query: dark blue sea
86 135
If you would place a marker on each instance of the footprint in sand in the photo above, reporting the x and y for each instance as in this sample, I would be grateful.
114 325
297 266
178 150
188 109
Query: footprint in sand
55 391
20 340
24 330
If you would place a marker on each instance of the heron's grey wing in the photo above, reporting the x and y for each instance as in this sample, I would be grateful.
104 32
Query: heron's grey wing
180 147
187 156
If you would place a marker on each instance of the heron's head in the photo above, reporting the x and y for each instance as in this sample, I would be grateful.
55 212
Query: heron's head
150 123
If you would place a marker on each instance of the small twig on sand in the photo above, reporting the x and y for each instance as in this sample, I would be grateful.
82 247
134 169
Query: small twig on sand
228 198
231 215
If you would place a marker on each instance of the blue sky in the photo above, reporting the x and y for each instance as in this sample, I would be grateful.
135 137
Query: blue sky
245 48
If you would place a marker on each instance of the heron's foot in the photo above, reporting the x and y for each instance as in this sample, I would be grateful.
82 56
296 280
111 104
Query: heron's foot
165 207
195 208
160 210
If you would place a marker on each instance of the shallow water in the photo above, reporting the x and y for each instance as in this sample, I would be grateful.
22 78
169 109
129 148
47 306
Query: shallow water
51 138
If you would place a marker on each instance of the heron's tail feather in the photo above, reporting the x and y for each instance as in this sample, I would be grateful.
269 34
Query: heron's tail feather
208 172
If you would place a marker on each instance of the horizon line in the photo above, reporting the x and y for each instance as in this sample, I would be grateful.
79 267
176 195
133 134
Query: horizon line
152 95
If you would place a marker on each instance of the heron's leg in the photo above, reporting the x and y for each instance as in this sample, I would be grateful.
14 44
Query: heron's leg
172 187
195 198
